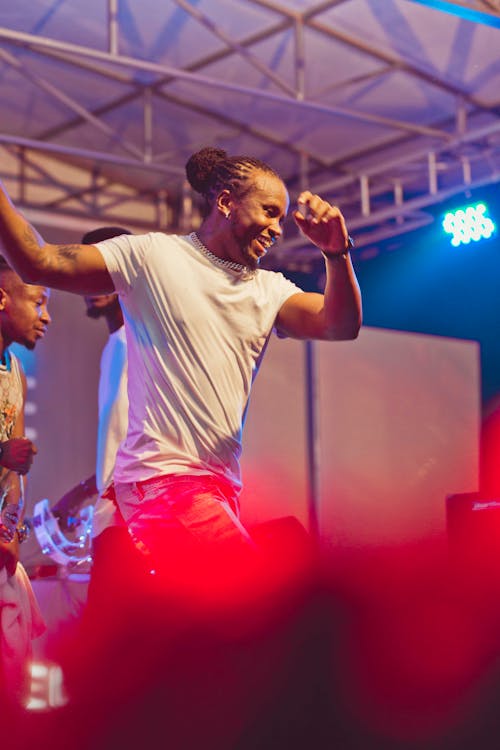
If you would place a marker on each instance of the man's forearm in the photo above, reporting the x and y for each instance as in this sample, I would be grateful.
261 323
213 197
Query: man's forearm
73 268
21 244
342 304
12 508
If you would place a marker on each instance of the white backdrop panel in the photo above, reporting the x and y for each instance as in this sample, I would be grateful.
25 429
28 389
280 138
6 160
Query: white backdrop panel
399 423
274 463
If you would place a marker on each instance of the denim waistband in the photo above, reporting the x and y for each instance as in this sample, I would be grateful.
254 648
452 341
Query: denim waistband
205 482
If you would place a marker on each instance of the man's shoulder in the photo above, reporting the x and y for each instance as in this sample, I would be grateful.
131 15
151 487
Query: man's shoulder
158 240
13 362
16 363
159 236
126 242
14 369
273 278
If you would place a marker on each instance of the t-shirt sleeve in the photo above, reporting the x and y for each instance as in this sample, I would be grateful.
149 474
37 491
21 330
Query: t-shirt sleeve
124 257
284 289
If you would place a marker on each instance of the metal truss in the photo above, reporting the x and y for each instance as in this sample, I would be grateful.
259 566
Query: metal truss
385 187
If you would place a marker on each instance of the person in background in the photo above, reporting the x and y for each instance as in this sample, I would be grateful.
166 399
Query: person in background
112 402
112 428
24 319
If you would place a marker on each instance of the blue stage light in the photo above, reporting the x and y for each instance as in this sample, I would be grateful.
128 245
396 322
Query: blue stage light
468 224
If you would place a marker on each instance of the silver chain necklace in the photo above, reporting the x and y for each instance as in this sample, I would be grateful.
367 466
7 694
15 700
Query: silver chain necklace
231 264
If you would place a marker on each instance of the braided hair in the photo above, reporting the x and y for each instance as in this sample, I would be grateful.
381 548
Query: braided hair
211 170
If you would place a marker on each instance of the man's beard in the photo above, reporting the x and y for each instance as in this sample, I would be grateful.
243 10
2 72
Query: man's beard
95 312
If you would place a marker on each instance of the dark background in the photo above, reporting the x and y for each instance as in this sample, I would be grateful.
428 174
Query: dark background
419 282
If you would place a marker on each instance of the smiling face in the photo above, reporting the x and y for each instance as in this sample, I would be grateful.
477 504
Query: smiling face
24 316
256 217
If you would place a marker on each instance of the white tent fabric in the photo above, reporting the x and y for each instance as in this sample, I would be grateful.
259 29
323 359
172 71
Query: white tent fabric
385 107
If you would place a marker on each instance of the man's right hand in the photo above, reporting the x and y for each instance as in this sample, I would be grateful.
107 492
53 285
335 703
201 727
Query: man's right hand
17 454
69 504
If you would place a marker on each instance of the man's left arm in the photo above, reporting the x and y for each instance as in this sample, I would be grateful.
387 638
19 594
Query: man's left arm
335 315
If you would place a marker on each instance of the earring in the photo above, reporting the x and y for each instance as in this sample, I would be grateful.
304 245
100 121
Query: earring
228 215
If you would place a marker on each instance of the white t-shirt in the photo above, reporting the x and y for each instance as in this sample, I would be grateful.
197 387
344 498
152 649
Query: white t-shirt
113 406
112 426
196 334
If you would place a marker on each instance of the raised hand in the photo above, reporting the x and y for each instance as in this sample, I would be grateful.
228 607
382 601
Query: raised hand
321 223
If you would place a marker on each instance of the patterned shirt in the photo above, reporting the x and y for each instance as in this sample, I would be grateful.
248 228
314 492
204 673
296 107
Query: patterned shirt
11 395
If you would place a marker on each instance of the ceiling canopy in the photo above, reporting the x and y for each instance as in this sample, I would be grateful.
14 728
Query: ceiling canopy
384 107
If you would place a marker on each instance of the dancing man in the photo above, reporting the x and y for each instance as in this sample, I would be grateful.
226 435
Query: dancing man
198 314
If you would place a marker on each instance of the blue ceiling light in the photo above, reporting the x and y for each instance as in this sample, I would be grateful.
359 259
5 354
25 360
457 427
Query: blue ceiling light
468 224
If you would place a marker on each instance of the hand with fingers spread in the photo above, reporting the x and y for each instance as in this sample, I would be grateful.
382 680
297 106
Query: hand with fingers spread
322 223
